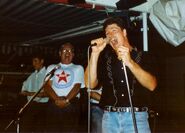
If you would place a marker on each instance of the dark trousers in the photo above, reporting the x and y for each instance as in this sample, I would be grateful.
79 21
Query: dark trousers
34 118
63 120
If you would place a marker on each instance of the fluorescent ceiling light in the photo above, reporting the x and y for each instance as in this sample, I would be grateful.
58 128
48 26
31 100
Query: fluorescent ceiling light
106 3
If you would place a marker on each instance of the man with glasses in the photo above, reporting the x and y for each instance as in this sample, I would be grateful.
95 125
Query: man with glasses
63 89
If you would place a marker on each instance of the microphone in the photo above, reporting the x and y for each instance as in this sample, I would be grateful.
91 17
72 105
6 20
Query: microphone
94 44
53 70
106 40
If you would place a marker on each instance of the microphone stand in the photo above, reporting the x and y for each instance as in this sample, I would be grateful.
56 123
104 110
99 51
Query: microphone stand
89 91
16 120
130 100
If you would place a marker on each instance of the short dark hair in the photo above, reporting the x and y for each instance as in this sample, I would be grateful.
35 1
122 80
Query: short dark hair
67 43
114 20
38 55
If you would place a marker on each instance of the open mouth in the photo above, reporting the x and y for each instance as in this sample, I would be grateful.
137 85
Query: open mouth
67 56
113 41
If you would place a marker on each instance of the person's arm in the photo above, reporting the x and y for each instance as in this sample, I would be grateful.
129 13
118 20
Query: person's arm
54 97
64 101
42 94
145 78
50 92
73 93
27 93
95 95
91 69
61 101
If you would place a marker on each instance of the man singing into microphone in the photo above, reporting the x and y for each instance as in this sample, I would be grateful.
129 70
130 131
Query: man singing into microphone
63 89
106 65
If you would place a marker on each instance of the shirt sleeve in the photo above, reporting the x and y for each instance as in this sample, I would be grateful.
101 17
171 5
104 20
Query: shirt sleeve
80 76
27 83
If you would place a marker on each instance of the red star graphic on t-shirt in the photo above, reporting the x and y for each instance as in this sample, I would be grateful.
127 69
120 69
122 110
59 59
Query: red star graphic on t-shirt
63 76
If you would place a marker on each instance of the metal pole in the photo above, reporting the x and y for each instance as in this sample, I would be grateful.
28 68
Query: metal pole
89 91
145 32
130 100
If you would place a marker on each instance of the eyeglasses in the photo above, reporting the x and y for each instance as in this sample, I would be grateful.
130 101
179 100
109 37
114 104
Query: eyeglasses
67 51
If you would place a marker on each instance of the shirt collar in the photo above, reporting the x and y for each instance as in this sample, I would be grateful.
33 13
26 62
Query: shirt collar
41 70
66 65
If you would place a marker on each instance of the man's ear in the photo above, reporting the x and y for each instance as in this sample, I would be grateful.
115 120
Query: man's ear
124 32
59 53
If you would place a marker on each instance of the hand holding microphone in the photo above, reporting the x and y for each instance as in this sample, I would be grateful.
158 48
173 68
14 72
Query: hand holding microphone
123 54
99 44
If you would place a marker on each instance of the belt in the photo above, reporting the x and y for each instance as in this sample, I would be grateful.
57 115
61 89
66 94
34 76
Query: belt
95 104
125 109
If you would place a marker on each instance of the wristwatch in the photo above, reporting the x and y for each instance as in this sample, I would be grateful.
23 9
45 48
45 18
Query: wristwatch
67 100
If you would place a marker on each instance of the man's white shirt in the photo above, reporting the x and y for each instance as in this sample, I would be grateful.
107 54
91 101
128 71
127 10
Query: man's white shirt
65 77
33 83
